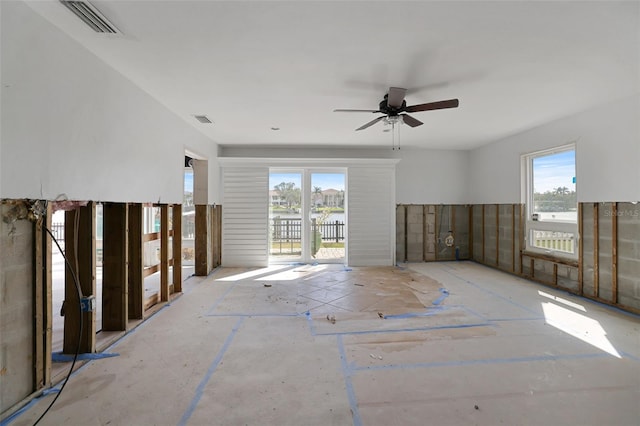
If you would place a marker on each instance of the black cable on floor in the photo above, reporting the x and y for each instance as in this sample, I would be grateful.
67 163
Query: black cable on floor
75 358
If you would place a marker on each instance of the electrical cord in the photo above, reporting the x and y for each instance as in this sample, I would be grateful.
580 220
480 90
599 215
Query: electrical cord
79 291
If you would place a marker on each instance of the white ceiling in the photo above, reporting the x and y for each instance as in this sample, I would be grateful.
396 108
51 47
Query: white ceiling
250 66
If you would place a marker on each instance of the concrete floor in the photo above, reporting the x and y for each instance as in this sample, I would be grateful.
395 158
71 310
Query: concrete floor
432 343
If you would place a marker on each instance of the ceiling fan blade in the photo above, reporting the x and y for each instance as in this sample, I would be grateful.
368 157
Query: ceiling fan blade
371 123
356 110
410 121
451 103
396 96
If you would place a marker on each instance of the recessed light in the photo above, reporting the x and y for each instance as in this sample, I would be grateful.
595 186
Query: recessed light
275 128
203 119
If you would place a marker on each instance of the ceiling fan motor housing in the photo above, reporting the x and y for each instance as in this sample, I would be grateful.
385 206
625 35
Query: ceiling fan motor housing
389 110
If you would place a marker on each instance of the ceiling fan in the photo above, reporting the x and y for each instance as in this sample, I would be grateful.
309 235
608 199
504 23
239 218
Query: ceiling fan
394 106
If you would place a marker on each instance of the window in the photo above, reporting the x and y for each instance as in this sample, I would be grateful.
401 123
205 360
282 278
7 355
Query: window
551 201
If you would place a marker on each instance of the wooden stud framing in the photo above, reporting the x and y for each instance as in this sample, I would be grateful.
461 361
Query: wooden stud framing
453 227
114 267
217 247
483 240
425 244
436 228
42 302
48 306
176 227
498 236
471 232
614 252
555 274
532 265
513 238
406 233
580 251
200 241
136 262
521 234
80 249
596 251
164 253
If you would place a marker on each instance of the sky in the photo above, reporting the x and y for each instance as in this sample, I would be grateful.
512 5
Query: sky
553 171
188 182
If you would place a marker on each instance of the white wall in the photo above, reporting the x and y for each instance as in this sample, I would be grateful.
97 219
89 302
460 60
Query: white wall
432 177
423 176
72 125
607 155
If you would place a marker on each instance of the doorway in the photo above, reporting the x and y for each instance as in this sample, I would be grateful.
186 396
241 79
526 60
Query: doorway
307 217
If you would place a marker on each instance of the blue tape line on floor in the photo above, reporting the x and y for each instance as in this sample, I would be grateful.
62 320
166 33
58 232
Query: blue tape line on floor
511 302
60 357
346 372
444 294
463 363
220 299
404 330
28 406
212 368
428 313
312 328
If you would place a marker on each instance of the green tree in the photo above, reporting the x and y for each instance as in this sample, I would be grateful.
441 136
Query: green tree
289 193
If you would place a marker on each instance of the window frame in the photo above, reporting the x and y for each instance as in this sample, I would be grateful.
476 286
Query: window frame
528 201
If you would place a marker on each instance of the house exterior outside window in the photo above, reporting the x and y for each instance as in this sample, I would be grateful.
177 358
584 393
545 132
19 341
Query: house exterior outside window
550 196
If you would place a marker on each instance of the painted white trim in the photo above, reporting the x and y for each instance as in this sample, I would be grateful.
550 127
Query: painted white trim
307 162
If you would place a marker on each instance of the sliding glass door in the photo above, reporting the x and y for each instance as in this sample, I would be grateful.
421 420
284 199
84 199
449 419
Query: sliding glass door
307 220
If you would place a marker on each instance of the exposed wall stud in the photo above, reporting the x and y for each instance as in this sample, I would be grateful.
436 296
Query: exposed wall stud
135 273
614 253
596 251
483 240
115 305
164 253
513 238
176 228
471 232
498 236
580 250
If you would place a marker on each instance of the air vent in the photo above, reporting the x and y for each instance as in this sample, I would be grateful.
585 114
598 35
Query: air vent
91 16
203 119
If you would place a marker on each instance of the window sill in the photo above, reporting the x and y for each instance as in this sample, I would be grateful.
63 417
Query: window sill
551 258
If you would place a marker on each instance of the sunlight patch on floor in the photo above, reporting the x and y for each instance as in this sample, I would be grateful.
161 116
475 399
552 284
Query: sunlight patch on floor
579 326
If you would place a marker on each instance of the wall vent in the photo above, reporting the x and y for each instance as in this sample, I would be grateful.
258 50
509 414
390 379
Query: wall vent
91 16
203 119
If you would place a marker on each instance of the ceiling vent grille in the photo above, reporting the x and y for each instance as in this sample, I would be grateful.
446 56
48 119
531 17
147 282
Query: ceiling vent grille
91 16
203 119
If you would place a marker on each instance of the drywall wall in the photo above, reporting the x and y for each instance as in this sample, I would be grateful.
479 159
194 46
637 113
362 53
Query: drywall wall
422 175
72 125
432 176
607 155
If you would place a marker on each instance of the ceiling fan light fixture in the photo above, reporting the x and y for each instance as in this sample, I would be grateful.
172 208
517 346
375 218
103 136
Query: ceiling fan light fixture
392 120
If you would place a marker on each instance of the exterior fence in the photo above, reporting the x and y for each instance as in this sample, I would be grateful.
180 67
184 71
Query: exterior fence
57 229
286 234
561 241
291 229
